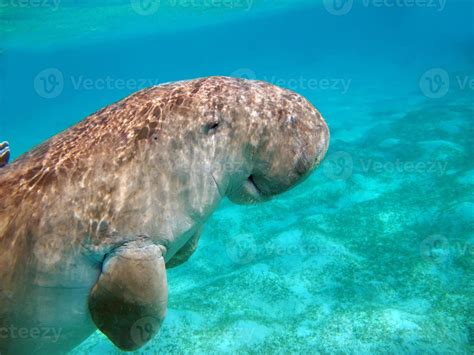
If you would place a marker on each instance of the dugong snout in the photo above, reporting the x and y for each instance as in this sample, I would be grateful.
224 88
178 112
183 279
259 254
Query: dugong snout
294 141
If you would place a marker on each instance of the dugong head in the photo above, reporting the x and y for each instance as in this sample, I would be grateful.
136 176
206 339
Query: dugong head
289 139
260 140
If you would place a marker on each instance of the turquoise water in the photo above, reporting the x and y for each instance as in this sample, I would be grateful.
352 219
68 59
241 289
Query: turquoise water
374 253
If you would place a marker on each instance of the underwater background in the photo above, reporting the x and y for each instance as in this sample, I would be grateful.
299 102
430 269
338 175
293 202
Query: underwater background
374 252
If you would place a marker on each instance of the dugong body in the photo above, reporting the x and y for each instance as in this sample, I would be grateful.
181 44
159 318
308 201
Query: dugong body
91 219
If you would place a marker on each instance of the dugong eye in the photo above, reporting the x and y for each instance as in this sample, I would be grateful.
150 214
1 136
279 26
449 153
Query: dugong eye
210 127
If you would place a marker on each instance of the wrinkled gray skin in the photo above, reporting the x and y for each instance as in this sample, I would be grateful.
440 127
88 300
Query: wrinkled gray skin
91 219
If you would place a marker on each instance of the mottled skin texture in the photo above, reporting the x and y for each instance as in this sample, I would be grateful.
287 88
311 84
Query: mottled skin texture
89 218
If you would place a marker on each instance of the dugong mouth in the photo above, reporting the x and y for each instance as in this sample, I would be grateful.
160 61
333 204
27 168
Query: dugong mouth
249 191
253 187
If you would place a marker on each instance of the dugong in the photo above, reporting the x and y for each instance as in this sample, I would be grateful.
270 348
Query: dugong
91 219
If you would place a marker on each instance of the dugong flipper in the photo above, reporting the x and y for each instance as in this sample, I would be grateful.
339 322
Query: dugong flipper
4 153
131 288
